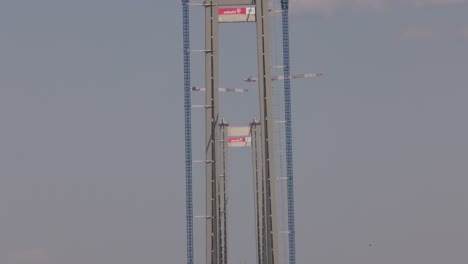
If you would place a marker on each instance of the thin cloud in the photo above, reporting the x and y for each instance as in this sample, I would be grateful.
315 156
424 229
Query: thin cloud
420 34
30 256
422 3
461 34
329 6
427 34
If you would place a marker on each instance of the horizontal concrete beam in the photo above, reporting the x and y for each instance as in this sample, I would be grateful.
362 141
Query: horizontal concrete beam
235 2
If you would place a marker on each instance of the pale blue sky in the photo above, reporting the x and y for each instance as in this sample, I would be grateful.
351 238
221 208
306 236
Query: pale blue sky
91 134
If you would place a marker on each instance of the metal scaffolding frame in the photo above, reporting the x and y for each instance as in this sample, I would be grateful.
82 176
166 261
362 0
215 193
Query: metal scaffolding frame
188 131
288 128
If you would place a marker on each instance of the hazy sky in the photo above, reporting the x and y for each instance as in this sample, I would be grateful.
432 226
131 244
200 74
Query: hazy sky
91 131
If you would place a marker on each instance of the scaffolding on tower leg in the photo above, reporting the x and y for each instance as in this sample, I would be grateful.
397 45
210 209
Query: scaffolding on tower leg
288 127
188 131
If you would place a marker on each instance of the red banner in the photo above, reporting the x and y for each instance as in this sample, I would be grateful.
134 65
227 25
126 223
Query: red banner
237 139
232 11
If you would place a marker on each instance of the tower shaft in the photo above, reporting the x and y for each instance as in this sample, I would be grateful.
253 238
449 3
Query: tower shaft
270 235
211 131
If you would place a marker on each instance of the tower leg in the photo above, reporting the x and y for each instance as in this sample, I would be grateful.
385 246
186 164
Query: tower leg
258 190
223 198
211 131
271 254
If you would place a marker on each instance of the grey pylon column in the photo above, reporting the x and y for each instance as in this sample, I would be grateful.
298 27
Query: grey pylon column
259 198
211 131
271 254
222 187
